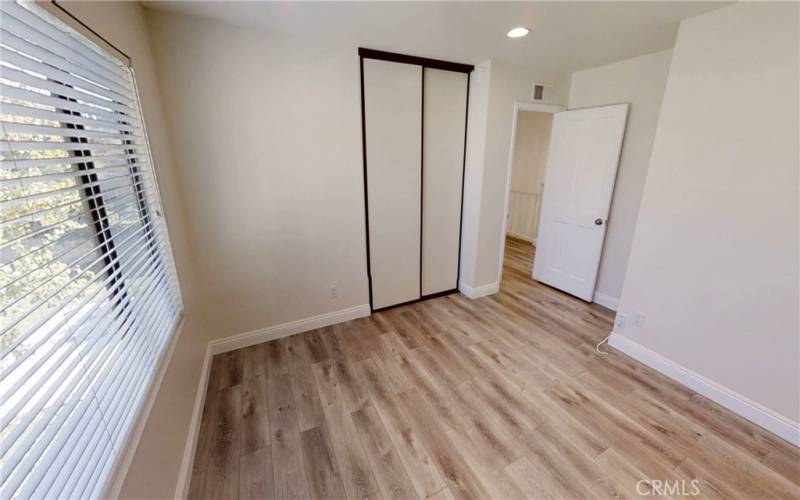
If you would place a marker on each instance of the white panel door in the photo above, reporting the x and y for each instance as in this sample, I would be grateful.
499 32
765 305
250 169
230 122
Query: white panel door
581 169
393 127
445 108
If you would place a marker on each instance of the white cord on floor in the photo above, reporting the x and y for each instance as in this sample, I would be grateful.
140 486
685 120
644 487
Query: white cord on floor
597 347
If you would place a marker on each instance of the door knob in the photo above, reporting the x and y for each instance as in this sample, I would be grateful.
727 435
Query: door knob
598 222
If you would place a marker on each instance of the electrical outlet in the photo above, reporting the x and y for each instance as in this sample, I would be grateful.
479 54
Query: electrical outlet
334 292
638 319
620 322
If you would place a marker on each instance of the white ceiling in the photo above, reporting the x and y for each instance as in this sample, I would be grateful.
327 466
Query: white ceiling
565 36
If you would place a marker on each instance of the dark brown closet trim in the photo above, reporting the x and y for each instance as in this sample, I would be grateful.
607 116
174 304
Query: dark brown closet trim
425 62
421 61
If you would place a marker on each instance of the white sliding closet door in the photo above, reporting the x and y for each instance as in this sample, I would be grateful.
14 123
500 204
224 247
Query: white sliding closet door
445 108
393 126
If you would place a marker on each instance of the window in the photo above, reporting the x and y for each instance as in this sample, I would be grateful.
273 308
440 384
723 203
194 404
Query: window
89 299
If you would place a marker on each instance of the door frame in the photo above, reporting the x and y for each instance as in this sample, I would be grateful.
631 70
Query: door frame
518 106
424 62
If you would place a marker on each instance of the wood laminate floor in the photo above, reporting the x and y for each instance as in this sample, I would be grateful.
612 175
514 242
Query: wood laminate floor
501 397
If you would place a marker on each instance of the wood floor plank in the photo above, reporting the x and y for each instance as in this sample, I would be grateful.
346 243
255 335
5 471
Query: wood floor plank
222 474
255 415
226 370
498 397
308 408
391 345
423 473
627 436
626 476
370 330
439 400
277 360
200 466
324 479
351 342
461 479
352 391
396 381
207 423
497 430
287 460
255 479
410 337
443 494
315 346
333 343
558 461
532 483
495 479
707 485
386 464
253 362
354 469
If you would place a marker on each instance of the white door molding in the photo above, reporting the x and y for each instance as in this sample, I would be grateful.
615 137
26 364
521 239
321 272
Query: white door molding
518 106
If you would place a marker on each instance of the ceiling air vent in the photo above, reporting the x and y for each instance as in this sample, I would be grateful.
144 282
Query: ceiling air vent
540 92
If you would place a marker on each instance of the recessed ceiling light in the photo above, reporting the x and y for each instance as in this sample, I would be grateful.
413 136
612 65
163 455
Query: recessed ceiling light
518 32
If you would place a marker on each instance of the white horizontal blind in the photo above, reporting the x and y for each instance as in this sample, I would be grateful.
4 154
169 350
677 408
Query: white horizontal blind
88 293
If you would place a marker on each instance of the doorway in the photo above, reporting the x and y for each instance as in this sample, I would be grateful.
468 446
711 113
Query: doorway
576 154
530 142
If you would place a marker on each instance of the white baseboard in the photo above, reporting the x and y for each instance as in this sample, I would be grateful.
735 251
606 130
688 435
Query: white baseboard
606 301
479 291
185 473
286 329
741 405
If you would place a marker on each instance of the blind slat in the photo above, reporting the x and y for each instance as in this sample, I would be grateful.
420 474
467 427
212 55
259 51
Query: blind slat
142 233
77 202
89 298
17 146
11 146
71 160
59 89
101 220
96 337
90 116
55 460
26 47
77 186
24 128
29 97
71 174
107 281
25 62
28 25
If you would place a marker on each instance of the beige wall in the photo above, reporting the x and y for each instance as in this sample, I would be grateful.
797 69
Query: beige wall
156 462
714 261
639 81
267 137
507 84
530 151
474 152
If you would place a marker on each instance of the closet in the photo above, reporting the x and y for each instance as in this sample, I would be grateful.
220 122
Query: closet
414 115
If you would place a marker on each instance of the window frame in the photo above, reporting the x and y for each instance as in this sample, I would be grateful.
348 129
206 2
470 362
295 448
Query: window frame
149 207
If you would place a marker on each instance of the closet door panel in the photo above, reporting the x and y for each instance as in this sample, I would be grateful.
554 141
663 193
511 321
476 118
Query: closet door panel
393 125
445 105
